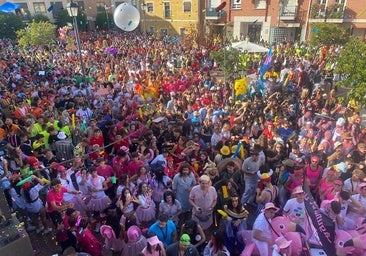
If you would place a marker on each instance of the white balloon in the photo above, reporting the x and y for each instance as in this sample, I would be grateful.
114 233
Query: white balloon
126 17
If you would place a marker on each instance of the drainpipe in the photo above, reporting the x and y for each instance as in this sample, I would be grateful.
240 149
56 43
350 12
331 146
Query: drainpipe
307 20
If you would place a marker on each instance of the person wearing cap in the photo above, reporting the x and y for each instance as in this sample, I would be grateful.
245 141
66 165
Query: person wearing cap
182 248
34 205
361 198
64 148
295 207
203 198
281 247
154 246
337 155
136 242
266 191
262 232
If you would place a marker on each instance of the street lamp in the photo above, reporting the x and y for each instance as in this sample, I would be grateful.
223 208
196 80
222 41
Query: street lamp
72 9
143 8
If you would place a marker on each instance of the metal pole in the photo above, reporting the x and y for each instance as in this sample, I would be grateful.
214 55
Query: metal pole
77 37
106 14
78 45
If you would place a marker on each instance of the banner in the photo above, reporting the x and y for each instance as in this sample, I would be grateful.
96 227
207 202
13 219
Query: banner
266 65
323 225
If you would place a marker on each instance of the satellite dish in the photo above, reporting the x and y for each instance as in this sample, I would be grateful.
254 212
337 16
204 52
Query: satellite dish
126 17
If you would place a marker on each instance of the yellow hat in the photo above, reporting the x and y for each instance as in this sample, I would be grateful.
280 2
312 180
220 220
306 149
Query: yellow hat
225 151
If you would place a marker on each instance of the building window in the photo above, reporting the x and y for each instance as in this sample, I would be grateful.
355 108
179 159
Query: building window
152 30
213 3
187 6
167 11
182 31
56 8
235 4
23 12
39 7
260 4
100 7
149 7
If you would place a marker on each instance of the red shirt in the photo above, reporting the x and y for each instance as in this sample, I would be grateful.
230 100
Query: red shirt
96 140
106 172
89 243
52 196
133 167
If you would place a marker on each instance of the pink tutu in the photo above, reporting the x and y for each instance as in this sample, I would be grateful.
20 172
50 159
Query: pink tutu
99 204
157 195
146 214
134 247
79 205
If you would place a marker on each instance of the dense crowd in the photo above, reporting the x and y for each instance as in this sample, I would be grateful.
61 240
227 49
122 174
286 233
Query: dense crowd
161 157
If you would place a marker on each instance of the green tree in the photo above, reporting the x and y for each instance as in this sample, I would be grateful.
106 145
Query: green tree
104 21
351 66
40 17
328 34
227 60
37 33
10 23
63 18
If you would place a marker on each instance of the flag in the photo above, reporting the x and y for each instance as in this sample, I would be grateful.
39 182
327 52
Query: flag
323 225
50 9
267 64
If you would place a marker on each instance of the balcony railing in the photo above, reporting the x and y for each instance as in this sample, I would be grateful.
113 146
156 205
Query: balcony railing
212 14
321 11
288 13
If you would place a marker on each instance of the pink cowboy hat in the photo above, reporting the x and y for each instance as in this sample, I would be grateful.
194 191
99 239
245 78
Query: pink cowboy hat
107 232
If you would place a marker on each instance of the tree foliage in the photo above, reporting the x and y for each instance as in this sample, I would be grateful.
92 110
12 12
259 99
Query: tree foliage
40 17
103 20
37 33
63 18
10 23
227 59
351 66
328 34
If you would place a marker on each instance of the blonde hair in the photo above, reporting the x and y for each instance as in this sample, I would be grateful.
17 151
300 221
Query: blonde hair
205 177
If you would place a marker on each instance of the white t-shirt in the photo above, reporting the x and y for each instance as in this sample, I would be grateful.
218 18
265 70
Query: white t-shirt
295 210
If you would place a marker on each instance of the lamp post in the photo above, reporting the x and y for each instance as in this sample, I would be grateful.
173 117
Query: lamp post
72 9
143 8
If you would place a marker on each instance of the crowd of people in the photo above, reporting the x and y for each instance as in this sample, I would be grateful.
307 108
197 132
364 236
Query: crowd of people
161 157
